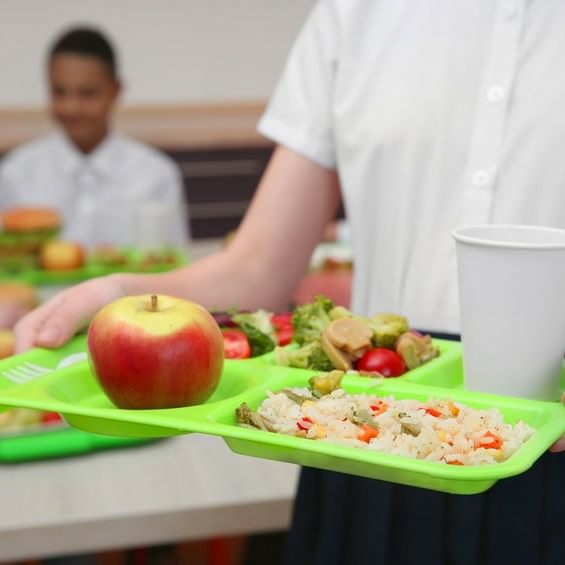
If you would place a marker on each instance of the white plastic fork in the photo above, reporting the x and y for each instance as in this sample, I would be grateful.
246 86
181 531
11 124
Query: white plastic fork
25 372
29 371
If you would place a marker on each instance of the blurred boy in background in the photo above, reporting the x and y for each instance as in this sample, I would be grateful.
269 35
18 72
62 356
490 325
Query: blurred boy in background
105 185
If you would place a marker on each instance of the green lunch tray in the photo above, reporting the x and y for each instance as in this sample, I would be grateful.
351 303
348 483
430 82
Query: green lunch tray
74 392
60 442
92 269
51 441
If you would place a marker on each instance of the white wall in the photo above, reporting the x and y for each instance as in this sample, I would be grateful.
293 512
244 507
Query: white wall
172 51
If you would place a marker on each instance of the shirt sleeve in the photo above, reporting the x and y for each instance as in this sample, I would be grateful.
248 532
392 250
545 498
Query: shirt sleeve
299 114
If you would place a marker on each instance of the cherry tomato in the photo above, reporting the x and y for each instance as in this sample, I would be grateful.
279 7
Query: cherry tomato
284 335
380 360
50 418
281 319
304 424
283 327
236 344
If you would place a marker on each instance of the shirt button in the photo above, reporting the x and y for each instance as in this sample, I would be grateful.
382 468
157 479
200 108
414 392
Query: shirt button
480 178
495 94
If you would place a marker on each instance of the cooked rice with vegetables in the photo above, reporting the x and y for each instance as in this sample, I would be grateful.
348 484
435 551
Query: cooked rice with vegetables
443 431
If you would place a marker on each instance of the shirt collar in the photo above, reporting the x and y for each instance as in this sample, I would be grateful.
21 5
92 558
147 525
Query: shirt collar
100 161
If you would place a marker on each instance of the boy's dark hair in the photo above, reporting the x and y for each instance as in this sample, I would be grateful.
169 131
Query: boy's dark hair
89 42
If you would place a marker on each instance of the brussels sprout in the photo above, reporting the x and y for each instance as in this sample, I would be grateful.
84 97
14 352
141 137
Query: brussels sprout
416 349
387 328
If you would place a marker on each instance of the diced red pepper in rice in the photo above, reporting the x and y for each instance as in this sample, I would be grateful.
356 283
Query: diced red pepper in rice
489 441
379 408
367 433
304 423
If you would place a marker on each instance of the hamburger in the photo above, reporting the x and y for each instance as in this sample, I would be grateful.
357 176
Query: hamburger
16 300
23 295
22 232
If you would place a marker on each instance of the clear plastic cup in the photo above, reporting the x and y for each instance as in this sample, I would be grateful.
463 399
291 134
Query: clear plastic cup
512 307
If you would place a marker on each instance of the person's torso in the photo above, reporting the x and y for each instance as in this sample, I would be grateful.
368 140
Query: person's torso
445 113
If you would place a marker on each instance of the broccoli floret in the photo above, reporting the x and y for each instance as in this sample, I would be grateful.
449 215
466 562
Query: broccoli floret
309 356
310 320
298 358
320 385
318 359
339 312
387 328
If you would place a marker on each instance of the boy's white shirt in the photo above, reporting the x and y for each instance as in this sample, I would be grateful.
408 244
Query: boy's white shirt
103 196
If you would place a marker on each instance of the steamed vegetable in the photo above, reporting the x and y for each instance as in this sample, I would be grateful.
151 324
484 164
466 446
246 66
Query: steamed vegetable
339 312
247 417
310 356
416 349
310 320
260 342
320 385
263 330
387 328
260 320
367 433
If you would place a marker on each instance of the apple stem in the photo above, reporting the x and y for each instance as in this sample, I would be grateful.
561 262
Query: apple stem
154 303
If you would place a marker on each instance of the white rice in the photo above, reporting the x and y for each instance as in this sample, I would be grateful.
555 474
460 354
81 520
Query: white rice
457 436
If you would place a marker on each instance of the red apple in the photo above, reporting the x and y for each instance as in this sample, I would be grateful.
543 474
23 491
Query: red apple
155 352
59 255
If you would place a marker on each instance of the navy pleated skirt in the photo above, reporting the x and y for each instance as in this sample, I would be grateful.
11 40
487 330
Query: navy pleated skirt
346 520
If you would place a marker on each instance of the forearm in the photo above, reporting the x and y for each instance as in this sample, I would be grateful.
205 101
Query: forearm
222 281
263 265
259 269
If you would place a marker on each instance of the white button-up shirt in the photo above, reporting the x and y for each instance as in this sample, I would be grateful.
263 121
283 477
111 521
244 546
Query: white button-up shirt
124 192
436 114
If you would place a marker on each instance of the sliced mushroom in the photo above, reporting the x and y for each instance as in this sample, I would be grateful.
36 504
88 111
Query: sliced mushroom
339 359
349 334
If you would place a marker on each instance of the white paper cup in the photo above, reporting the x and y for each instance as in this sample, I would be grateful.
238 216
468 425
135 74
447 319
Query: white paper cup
512 306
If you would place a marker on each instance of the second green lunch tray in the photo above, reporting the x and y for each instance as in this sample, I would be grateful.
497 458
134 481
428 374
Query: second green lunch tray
92 269
45 442
60 442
